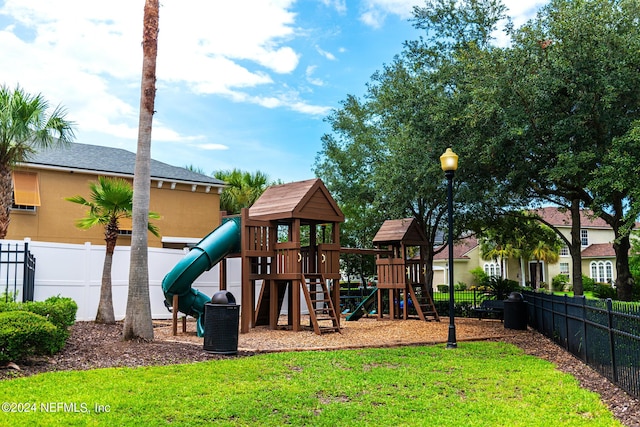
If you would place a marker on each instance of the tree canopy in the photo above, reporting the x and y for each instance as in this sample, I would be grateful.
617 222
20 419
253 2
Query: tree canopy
550 118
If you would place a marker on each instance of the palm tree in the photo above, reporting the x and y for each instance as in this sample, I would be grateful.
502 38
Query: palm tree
25 126
138 322
110 201
496 251
547 251
242 189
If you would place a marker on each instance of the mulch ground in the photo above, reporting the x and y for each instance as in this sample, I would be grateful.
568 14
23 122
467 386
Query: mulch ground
93 346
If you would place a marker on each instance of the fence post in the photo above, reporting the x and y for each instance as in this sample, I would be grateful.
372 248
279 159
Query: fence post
566 321
584 329
612 348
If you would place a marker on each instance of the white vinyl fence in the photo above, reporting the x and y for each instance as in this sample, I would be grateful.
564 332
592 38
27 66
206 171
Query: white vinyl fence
75 271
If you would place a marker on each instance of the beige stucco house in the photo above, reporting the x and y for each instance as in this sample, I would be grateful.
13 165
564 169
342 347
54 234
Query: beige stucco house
188 202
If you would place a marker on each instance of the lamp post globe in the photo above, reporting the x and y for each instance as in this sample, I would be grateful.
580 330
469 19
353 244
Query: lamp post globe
449 164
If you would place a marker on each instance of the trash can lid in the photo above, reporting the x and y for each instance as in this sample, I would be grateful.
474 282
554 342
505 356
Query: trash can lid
223 297
515 296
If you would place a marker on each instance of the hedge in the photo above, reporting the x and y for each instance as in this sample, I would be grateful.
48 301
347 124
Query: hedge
24 334
35 328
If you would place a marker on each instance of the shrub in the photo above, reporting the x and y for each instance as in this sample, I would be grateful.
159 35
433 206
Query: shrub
460 286
604 291
559 282
23 334
479 276
442 288
587 283
501 288
58 311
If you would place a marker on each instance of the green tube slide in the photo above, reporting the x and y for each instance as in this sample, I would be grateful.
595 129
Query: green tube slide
208 252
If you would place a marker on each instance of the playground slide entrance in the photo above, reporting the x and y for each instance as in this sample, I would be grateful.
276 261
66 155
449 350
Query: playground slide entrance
364 307
221 242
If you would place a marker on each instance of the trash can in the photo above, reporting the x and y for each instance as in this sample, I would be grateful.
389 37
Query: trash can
221 320
515 312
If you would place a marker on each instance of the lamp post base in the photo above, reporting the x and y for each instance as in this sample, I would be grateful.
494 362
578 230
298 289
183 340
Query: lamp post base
451 341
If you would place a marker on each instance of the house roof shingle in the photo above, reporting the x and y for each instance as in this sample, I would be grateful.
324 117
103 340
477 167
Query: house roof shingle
100 159
599 250
460 249
562 218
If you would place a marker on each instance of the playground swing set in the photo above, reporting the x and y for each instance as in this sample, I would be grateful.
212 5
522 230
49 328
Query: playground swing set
289 245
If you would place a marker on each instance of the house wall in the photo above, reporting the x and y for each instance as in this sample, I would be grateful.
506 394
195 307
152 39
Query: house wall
183 212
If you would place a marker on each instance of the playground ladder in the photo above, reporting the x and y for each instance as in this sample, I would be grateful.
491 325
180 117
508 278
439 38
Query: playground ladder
425 306
321 307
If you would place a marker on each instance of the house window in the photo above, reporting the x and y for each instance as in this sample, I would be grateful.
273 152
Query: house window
584 237
26 192
564 268
564 251
602 271
492 269
125 225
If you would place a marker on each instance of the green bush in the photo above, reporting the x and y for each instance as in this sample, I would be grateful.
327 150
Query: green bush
500 287
442 288
559 282
23 334
604 291
587 283
58 311
479 276
460 286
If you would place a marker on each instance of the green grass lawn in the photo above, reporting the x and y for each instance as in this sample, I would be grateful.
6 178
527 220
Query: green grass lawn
477 384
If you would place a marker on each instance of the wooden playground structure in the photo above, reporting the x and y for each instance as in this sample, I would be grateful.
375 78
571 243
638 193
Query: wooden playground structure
291 241
400 273
290 249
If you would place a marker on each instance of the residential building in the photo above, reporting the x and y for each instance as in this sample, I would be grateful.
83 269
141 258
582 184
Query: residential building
598 256
188 202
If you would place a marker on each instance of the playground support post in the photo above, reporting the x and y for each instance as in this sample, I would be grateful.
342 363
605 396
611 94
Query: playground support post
449 163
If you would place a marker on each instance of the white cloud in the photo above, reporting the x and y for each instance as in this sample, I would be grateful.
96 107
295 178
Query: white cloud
313 80
330 56
374 12
212 147
89 58
339 5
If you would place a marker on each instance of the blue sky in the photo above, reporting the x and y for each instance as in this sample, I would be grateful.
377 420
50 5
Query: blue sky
241 84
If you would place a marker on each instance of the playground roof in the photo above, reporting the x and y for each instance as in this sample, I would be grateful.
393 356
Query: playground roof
307 200
406 230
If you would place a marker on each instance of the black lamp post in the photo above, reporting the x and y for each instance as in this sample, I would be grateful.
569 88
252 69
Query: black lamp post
449 163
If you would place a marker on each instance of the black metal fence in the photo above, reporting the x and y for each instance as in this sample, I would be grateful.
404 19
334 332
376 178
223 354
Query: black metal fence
17 272
605 334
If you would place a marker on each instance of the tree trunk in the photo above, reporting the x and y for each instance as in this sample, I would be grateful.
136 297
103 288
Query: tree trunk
6 192
105 306
523 281
138 322
624 279
576 248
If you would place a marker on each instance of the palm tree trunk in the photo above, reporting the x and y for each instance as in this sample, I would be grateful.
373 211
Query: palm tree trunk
105 306
6 192
138 322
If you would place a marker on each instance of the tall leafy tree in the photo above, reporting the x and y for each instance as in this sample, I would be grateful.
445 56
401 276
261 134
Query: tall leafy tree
138 322
26 124
570 95
385 149
109 202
